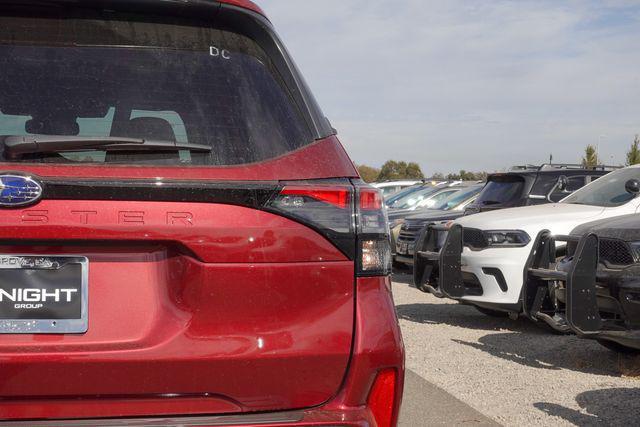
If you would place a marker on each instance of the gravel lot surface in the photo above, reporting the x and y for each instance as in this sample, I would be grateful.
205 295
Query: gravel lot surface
515 372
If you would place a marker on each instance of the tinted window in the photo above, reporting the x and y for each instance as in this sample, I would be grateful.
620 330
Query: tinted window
573 183
145 80
436 199
501 190
414 199
403 193
456 199
388 191
607 191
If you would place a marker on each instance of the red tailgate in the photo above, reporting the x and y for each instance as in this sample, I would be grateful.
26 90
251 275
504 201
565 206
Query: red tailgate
231 310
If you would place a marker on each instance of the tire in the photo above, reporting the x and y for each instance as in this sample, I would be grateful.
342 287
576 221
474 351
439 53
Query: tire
492 313
617 347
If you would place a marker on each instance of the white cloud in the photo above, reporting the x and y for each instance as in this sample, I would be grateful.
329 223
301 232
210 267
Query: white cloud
470 84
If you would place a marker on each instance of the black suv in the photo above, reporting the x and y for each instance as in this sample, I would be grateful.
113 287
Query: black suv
533 185
594 290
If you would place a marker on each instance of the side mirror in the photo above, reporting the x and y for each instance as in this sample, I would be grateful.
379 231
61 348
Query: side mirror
632 186
563 183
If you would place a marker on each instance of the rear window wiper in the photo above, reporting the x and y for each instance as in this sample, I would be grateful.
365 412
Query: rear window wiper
16 146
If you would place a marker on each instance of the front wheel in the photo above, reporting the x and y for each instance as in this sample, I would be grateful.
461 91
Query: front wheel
617 347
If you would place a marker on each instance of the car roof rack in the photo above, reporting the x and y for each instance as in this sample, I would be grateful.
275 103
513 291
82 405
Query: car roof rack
561 166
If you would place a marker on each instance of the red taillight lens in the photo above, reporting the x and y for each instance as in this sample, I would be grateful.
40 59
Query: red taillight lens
337 196
382 397
370 199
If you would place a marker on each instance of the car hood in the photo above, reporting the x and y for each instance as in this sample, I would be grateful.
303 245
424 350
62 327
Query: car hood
554 217
625 228
435 215
399 213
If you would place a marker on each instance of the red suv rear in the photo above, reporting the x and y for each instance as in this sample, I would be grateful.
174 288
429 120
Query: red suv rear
183 240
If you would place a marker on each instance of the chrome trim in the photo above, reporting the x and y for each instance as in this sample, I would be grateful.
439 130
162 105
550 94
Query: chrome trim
48 326
221 420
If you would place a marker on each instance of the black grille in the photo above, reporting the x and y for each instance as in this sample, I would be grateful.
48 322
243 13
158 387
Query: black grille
615 252
411 229
474 238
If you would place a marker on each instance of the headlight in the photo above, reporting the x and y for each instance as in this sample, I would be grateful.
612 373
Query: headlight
507 238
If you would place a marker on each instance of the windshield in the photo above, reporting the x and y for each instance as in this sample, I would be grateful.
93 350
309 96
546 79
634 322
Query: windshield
402 193
501 190
458 198
608 191
166 82
413 199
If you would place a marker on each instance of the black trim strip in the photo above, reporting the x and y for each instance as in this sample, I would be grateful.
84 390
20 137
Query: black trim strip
251 194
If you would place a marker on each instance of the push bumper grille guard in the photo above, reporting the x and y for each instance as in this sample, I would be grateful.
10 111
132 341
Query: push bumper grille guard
581 313
439 271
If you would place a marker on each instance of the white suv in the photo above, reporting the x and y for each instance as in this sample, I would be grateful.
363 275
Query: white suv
483 258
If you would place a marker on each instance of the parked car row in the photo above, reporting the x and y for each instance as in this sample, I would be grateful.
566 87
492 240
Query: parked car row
572 265
524 186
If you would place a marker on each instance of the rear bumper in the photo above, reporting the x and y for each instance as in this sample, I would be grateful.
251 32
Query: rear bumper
377 347
357 417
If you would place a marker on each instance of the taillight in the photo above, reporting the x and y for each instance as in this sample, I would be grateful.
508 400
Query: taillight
374 245
339 197
382 397
354 221
326 208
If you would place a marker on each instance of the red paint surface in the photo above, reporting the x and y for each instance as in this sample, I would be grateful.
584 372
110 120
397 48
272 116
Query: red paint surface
323 159
377 347
250 336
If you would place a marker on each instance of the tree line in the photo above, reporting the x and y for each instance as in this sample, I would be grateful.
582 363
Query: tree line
591 159
394 170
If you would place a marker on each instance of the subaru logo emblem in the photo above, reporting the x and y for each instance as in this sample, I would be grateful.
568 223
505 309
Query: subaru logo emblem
16 190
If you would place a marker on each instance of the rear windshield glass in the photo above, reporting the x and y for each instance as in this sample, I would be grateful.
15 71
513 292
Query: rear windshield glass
152 81
501 190
607 191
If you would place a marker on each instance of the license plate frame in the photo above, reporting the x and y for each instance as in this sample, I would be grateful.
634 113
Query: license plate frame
39 265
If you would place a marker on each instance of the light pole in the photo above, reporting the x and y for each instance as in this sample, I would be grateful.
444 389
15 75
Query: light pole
600 138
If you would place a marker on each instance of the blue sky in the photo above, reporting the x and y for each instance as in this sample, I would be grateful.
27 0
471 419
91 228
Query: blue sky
475 84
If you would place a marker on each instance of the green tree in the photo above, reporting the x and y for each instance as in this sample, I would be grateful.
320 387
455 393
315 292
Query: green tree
590 159
453 176
464 175
437 175
413 171
394 170
633 156
368 173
